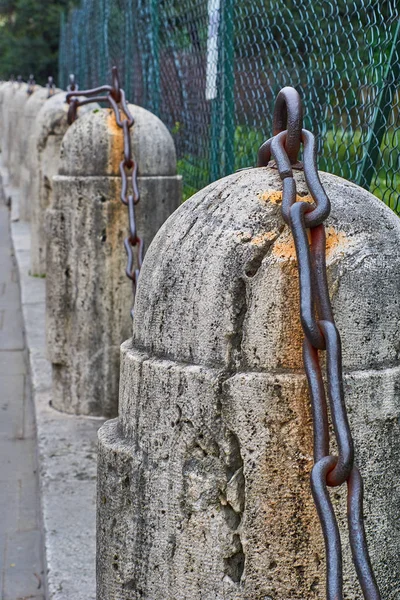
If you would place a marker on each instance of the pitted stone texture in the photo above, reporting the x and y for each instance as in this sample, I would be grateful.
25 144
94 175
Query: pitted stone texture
358 252
49 130
29 181
88 294
97 138
204 478
89 297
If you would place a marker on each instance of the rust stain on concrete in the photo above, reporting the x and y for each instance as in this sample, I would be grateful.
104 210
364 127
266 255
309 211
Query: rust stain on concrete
262 238
275 197
284 249
286 502
271 196
289 353
116 144
335 240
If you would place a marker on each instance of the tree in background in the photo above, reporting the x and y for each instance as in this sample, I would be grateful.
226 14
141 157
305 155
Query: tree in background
29 37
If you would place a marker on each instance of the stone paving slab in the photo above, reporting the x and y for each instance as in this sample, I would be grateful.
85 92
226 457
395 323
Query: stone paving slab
12 363
11 408
22 573
67 454
66 444
23 548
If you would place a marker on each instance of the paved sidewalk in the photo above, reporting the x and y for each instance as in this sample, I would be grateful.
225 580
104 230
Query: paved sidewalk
21 555
66 444
66 450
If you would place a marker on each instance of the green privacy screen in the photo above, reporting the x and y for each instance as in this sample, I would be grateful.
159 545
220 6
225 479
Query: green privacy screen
210 69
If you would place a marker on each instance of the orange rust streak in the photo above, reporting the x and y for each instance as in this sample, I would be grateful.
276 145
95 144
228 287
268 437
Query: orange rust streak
268 236
335 240
271 196
285 249
116 143
275 197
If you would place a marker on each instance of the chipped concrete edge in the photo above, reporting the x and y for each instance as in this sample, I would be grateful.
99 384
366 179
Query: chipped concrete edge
67 446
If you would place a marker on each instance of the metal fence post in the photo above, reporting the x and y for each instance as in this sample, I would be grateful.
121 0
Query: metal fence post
213 91
381 113
129 49
62 55
154 79
228 84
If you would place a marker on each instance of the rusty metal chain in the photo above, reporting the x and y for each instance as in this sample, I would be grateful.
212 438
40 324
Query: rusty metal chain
31 85
51 88
115 97
321 334
72 86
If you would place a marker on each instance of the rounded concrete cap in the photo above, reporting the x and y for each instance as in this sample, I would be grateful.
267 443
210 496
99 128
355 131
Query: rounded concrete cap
54 105
93 145
19 97
219 283
21 89
52 116
3 87
10 88
19 100
36 100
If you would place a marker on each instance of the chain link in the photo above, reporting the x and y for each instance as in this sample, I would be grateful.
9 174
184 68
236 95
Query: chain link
51 88
320 334
72 86
115 97
31 85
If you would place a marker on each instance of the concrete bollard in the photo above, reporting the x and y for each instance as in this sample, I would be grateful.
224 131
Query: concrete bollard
3 87
48 132
204 479
3 196
29 167
18 140
89 297
9 92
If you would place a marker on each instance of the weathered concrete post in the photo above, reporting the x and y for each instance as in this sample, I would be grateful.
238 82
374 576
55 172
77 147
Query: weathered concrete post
3 87
204 479
18 140
9 91
89 297
29 167
50 126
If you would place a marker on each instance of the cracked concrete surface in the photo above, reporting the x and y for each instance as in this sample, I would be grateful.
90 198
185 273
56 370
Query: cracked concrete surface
204 488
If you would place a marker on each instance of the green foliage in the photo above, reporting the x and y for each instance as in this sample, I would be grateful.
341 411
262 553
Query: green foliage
197 169
247 142
29 37
193 169
342 152
386 183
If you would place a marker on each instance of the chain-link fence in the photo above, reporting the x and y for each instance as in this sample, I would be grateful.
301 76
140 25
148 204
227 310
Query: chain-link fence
210 69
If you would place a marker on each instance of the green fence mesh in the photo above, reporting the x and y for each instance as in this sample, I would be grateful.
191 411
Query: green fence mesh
210 69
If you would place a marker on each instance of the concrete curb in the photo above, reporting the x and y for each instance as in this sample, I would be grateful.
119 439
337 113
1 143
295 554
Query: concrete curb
66 449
